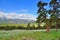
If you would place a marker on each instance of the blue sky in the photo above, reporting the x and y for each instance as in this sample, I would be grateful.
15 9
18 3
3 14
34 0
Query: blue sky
20 6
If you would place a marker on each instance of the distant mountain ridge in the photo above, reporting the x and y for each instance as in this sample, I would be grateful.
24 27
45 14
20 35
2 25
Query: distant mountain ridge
14 21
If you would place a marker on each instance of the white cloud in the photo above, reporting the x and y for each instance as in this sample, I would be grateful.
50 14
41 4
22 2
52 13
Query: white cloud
23 10
14 15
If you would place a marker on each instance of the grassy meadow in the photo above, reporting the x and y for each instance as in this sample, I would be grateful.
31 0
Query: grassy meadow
29 35
14 25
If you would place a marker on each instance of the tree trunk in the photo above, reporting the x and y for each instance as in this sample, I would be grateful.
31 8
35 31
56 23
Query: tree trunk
48 29
57 27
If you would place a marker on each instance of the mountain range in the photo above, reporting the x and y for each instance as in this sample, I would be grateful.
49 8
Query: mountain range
14 21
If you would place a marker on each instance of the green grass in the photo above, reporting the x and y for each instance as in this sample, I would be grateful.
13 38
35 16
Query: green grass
14 25
29 35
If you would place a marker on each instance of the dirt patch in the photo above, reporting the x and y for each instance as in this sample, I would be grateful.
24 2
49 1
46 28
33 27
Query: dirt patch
27 38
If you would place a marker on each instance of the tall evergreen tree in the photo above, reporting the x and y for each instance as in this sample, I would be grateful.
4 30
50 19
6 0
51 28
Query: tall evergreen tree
42 14
54 11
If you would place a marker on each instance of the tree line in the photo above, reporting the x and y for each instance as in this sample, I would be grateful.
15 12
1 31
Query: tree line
28 27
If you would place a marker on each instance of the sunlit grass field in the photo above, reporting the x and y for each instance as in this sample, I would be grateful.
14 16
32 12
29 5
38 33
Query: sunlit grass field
14 25
29 35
